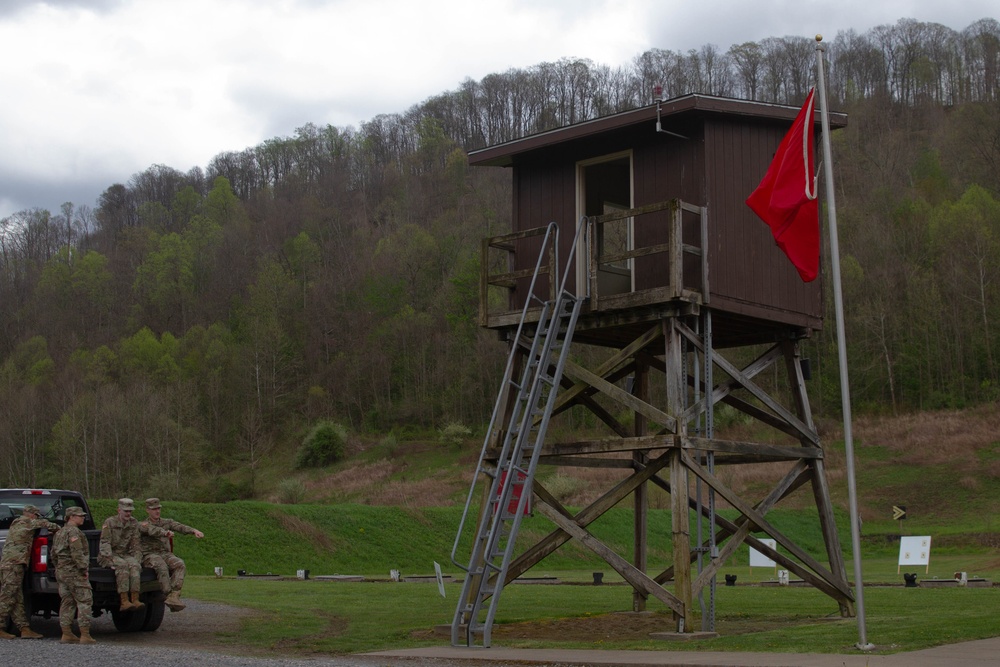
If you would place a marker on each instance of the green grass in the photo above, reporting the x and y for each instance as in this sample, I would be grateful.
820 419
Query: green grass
337 618
360 539
328 617
945 476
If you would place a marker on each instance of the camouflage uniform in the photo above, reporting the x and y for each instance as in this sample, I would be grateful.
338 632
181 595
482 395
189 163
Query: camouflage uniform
16 552
72 557
120 550
158 555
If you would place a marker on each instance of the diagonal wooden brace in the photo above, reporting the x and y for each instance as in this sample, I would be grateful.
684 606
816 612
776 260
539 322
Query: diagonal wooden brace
639 580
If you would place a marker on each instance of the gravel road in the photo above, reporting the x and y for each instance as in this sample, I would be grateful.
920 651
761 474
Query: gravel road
185 638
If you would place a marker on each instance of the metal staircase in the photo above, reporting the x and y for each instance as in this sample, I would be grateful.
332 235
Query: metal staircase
511 471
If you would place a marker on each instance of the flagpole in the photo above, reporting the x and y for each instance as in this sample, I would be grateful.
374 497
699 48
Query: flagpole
845 392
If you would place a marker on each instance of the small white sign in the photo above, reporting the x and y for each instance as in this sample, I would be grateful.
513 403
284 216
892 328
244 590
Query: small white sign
915 550
440 578
757 559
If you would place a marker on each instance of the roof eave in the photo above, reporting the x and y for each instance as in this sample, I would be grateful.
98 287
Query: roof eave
503 155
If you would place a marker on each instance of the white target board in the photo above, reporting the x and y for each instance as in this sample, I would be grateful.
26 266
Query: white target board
915 550
757 559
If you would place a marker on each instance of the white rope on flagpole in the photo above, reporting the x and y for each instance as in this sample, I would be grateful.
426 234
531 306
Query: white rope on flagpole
845 392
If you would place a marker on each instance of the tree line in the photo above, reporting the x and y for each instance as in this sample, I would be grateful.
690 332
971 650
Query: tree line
182 336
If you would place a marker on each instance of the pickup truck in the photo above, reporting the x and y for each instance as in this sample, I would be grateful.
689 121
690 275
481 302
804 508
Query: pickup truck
41 592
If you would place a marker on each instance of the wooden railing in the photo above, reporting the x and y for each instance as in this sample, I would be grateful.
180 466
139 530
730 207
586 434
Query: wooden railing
499 279
673 250
684 235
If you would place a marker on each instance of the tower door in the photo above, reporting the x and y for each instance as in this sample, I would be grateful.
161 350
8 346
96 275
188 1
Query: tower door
604 185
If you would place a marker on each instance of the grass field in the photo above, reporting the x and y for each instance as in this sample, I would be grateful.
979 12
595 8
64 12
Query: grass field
394 508
340 617
262 537
337 617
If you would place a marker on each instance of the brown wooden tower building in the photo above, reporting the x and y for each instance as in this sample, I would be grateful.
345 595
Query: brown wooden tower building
630 232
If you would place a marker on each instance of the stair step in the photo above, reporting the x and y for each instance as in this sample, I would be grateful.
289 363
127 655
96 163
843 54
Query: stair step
548 345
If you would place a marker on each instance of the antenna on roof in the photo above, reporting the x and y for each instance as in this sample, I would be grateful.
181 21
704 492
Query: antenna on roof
658 94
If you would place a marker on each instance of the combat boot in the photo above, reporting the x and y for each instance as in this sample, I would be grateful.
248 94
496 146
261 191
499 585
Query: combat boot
28 633
125 605
137 604
173 601
68 637
5 635
85 637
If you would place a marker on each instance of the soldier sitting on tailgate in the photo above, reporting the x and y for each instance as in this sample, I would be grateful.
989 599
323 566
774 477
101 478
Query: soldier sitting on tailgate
155 533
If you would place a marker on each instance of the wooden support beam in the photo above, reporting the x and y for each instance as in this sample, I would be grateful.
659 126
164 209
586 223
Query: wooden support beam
623 357
581 462
659 438
640 499
763 450
789 484
581 374
612 377
757 452
676 381
764 417
763 524
828 525
722 392
597 410
610 445
792 479
584 518
821 490
640 581
740 532
762 396
680 528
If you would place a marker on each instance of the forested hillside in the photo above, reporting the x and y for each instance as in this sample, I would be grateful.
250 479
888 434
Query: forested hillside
191 327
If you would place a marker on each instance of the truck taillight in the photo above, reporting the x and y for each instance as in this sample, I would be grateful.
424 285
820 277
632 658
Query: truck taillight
40 554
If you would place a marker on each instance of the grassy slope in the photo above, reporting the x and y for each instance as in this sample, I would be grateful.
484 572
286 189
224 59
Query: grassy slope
945 467
361 539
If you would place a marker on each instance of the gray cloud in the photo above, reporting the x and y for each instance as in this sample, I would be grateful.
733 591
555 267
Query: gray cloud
20 193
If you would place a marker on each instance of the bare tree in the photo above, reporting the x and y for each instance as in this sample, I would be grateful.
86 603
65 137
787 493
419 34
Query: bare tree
748 59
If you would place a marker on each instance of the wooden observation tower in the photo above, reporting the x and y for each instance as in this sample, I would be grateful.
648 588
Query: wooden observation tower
630 233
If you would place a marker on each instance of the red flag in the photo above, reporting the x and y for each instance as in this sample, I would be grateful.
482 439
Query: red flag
786 196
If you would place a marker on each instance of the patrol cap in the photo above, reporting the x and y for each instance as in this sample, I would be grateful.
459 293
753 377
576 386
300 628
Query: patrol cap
152 503
126 504
30 509
75 511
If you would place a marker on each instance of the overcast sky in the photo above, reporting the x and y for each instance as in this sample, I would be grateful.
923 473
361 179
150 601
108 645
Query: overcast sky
94 91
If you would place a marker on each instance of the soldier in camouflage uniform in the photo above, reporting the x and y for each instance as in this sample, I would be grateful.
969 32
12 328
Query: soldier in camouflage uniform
157 553
71 554
16 551
121 552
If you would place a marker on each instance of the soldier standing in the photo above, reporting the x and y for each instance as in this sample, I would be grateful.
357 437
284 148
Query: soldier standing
12 566
72 557
121 552
158 555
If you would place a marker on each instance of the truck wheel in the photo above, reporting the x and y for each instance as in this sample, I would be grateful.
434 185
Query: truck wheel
129 621
144 620
155 606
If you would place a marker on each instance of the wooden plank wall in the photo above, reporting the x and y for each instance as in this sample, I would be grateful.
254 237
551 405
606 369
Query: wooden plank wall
748 272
